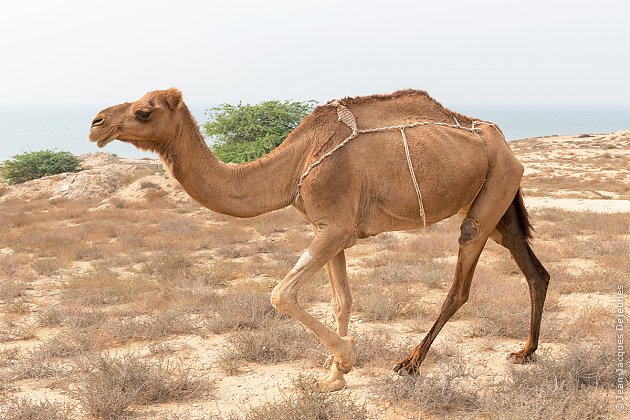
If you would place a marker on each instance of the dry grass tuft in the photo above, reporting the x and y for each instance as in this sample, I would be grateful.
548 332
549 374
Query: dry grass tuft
592 323
65 345
245 306
34 364
26 409
385 303
178 269
569 387
109 385
103 287
48 266
426 272
50 317
498 308
277 342
9 356
437 393
11 330
377 348
81 319
592 280
306 403
11 289
373 305
14 266
124 328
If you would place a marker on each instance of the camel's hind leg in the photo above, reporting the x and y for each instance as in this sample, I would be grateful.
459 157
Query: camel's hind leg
471 242
510 233
484 214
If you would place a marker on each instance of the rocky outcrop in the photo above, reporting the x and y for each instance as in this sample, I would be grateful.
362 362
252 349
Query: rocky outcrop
103 175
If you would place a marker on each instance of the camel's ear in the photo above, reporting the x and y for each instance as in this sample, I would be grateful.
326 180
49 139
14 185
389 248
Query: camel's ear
173 98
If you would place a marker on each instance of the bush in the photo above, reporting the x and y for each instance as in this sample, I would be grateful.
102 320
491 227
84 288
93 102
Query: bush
109 385
32 165
246 132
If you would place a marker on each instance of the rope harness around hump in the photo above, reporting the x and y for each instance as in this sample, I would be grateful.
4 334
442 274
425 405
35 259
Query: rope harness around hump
344 115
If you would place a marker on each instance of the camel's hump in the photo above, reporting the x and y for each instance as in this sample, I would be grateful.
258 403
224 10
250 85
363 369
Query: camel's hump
399 107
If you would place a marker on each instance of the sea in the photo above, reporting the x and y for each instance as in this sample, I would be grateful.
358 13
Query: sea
64 128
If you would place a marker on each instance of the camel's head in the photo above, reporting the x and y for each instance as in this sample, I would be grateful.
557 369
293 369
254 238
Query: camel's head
146 123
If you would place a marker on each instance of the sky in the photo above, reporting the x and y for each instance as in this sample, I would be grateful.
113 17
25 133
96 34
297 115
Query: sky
461 52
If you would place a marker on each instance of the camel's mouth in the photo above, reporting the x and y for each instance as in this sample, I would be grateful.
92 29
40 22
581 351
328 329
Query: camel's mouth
102 143
101 136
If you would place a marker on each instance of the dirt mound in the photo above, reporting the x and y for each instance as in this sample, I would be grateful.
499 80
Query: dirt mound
103 175
94 160
159 184
617 139
90 183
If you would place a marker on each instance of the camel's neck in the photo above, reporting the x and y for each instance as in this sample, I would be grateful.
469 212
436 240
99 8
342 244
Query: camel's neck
237 190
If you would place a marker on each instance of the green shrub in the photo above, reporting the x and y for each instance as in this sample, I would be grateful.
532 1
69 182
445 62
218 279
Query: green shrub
246 132
32 165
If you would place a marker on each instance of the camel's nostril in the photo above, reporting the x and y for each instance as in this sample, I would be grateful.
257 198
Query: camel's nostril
97 121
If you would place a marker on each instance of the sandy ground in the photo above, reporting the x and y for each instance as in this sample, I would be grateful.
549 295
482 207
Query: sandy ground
579 204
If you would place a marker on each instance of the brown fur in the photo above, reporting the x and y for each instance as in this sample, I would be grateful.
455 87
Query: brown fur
361 190
414 104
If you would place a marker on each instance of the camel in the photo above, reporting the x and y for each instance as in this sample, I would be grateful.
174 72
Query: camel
366 187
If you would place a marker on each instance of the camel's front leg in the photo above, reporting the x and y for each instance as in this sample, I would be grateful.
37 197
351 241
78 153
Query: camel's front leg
341 296
324 247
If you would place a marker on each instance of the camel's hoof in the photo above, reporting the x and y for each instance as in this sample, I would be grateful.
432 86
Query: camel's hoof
331 385
406 369
334 381
522 357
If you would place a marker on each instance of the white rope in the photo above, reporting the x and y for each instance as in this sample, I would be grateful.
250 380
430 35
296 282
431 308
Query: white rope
413 177
345 115
318 161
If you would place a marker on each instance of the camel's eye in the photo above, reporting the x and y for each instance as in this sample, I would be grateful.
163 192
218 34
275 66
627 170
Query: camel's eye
143 115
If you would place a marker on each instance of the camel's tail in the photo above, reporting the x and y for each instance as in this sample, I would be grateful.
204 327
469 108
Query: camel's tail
523 216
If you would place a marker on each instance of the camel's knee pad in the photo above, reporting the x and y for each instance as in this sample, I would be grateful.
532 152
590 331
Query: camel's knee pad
469 230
